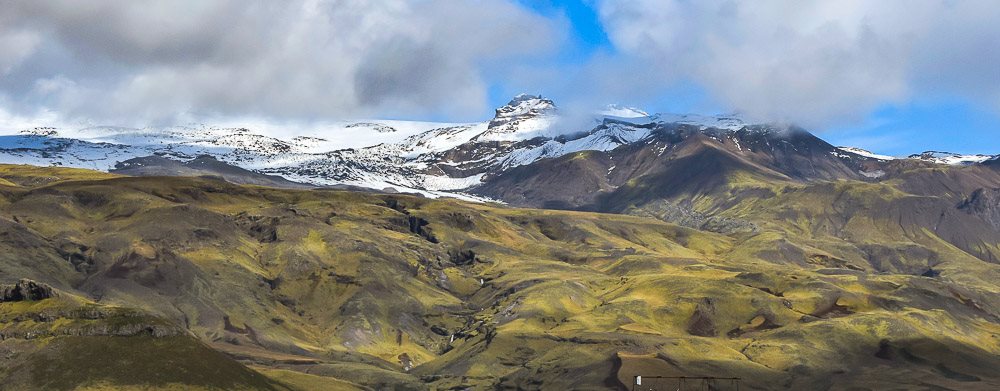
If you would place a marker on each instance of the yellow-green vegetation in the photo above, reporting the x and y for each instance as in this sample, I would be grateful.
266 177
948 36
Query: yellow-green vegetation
304 381
67 314
345 290
134 362
67 342
33 176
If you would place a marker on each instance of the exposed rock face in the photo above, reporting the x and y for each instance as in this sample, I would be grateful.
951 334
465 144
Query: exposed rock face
985 203
25 290
418 226
262 228
462 257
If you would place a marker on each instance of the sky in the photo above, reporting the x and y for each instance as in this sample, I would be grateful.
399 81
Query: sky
893 76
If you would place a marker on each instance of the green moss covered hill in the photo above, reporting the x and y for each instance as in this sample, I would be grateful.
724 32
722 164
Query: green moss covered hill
195 283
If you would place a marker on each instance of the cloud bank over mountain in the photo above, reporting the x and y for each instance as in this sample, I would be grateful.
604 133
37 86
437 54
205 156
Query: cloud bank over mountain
814 62
299 59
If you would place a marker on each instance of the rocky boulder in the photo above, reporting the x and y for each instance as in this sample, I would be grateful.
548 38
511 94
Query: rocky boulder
25 290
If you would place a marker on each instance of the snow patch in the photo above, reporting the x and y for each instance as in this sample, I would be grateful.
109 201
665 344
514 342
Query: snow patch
865 153
623 112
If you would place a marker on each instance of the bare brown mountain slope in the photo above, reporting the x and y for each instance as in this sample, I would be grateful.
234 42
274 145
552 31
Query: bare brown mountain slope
734 181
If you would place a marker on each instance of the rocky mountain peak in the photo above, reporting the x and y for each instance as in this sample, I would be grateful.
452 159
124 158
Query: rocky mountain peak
521 107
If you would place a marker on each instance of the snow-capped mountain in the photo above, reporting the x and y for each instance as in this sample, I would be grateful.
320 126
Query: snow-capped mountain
948 158
952 158
432 158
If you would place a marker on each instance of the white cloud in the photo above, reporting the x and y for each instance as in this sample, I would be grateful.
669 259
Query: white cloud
161 60
814 62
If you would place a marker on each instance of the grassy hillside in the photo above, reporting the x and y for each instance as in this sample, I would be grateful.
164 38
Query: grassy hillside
318 289
67 342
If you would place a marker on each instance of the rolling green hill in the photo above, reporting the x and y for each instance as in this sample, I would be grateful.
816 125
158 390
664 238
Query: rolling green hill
838 284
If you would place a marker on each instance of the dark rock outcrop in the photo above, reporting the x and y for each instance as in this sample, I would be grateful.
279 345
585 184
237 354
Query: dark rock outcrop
462 257
418 226
701 322
25 290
